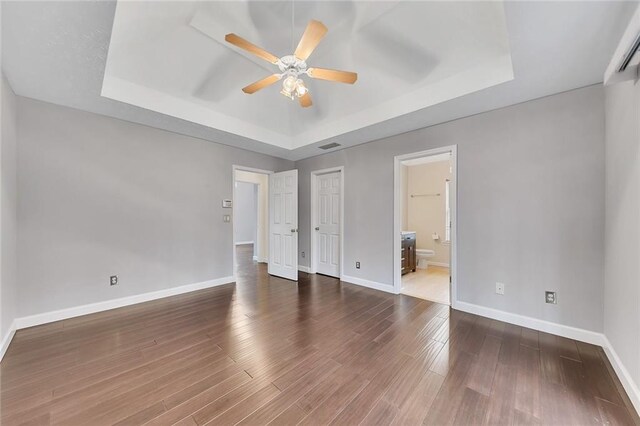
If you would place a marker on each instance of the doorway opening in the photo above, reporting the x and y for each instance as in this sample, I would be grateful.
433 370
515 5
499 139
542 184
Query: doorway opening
327 222
250 209
425 226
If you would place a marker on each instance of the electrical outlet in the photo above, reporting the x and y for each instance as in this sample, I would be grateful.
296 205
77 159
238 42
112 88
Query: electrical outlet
357 265
303 255
551 297
499 288
226 218
113 280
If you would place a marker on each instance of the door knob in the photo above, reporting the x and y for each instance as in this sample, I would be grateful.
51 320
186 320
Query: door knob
317 228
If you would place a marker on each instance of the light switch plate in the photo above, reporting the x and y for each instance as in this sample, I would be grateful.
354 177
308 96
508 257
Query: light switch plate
499 288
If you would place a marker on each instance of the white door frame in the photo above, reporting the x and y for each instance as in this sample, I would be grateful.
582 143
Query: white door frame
397 217
312 235
233 205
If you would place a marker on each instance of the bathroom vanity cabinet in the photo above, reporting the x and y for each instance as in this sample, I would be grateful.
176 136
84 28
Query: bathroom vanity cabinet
408 254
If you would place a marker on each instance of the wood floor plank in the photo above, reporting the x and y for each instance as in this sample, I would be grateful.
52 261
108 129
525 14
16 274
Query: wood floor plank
339 399
359 408
528 382
409 375
143 415
246 407
555 409
510 349
311 399
216 406
583 404
281 402
415 407
612 414
472 409
444 408
597 375
529 338
291 416
124 404
482 372
502 400
230 376
177 412
383 413
271 351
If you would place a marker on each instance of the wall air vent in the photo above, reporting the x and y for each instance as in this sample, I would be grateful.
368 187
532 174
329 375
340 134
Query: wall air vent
630 55
625 64
329 146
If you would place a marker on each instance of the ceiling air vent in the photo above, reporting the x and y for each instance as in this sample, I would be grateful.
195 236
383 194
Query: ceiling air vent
329 146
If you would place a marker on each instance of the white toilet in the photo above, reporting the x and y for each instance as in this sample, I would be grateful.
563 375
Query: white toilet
423 256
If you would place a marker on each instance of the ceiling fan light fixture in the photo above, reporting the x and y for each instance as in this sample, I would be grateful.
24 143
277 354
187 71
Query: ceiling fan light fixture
289 86
287 94
301 89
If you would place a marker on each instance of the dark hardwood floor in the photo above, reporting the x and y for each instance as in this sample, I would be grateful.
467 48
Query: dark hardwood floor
267 350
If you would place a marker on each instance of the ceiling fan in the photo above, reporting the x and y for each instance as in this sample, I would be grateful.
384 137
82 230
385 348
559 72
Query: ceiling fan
293 66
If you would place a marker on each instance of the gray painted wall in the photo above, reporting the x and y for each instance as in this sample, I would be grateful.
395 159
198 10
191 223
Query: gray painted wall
101 196
622 229
530 205
245 211
8 209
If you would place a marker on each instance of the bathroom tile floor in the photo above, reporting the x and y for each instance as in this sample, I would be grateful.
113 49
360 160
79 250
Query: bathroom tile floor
430 284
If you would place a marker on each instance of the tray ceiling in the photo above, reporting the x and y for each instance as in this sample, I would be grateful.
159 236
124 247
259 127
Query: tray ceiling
172 58
165 64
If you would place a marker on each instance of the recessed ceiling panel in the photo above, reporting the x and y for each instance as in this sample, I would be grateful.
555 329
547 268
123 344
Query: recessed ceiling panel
171 57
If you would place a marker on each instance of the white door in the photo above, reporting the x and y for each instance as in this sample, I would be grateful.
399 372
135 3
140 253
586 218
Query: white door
283 224
327 228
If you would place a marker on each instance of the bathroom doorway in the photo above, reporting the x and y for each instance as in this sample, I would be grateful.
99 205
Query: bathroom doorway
425 225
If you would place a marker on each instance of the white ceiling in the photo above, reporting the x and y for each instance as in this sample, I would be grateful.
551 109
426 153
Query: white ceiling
419 63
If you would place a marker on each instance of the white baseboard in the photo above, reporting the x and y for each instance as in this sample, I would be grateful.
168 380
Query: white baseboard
6 341
366 283
623 374
255 258
77 311
533 323
443 264
240 243
303 268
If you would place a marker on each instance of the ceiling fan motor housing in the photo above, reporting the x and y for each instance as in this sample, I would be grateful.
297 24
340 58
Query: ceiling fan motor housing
290 65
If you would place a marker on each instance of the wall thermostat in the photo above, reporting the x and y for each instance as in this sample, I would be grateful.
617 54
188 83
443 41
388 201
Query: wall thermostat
226 204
